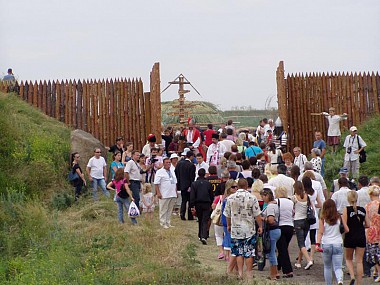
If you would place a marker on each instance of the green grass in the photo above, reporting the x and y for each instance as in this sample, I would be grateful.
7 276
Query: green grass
46 239
370 132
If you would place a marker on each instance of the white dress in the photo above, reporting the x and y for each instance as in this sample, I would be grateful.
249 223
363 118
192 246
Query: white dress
148 198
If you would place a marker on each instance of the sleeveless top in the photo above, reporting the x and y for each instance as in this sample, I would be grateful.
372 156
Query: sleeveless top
355 222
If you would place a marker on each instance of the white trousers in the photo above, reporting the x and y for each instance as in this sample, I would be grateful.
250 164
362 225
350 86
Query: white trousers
166 206
219 233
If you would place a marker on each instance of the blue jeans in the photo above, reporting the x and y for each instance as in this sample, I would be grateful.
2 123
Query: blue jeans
120 212
274 237
332 259
135 187
323 167
102 183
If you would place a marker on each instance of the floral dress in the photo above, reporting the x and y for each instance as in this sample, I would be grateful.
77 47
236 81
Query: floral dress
373 232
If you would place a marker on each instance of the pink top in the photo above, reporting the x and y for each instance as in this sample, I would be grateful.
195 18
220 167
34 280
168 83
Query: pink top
216 199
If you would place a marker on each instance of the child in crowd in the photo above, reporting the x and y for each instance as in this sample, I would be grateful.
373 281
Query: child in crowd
148 201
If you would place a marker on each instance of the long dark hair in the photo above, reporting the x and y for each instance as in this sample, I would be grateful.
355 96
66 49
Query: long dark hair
272 148
73 157
308 185
329 212
298 189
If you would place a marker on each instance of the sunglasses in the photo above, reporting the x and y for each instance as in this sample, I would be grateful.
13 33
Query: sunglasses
98 152
234 187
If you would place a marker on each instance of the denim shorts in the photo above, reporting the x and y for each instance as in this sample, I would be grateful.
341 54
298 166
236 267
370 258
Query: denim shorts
243 247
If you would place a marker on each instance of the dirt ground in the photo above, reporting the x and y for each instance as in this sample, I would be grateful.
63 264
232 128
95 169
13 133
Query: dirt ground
207 255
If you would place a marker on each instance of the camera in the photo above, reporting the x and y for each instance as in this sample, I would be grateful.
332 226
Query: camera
153 159
349 149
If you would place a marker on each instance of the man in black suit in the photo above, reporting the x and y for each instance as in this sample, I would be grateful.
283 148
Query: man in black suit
185 173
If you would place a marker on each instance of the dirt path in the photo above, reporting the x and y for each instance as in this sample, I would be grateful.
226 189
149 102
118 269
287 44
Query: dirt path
207 255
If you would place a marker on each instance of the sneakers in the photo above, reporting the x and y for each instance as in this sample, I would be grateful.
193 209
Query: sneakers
165 226
377 280
309 265
340 283
221 256
204 241
297 265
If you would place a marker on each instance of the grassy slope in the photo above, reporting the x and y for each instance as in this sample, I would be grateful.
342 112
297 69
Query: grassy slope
370 132
83 244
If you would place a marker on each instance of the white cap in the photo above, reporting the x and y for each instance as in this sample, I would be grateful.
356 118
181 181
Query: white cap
173 155
185 151
353 129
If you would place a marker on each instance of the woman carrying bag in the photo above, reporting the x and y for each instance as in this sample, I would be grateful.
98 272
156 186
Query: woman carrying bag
271 216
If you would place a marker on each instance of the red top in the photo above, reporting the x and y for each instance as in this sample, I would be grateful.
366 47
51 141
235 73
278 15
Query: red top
208 136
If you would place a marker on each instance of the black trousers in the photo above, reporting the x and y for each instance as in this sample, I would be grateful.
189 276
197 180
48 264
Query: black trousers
203 214
186 204
283 258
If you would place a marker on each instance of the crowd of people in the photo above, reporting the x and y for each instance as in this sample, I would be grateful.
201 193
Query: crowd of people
254 193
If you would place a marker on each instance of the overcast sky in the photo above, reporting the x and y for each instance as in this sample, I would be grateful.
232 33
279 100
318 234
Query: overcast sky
229 50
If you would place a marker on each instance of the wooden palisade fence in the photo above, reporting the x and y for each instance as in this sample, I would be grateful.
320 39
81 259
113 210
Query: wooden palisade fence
300 95
105 108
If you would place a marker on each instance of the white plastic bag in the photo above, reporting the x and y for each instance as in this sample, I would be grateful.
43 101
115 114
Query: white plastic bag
133 210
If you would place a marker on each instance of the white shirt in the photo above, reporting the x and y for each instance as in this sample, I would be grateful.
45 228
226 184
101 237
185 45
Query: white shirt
282 180
97 166
300 161
352 141
334 130
213 149
286 212
340 199
203 165
318 177
331 234
133 169
167 182
146 149
363 196
274 156
227 144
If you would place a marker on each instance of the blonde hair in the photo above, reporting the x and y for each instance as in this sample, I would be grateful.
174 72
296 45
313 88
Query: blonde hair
229 183
147 188
257 186
310 174
273 169
352 198
374 190
267 171
239 141
281 192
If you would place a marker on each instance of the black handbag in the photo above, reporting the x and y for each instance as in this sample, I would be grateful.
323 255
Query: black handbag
310 214
266 238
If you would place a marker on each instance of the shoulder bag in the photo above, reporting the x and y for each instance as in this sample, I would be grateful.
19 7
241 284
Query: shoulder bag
310 214
362 154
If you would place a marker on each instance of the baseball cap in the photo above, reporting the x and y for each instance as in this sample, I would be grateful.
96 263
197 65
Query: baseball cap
353 129
343 170
185 151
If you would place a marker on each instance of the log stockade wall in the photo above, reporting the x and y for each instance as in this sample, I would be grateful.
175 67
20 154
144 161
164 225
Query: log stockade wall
105 108
301 95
